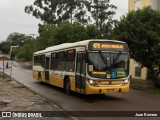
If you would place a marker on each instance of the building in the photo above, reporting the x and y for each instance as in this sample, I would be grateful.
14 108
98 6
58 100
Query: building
136 70
139 4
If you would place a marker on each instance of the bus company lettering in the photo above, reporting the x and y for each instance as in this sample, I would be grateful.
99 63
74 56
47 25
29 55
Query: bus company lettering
98 45
27 114
111 46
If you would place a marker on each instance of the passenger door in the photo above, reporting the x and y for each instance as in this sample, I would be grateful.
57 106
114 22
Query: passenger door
80 72
47 61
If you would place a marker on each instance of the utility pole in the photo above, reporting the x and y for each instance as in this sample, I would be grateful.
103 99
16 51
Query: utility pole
98 5
97 15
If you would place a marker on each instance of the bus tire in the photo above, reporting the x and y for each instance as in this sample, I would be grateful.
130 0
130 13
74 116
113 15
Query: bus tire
39 78
67 86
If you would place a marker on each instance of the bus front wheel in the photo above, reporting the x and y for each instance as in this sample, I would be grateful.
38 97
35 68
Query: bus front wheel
67 86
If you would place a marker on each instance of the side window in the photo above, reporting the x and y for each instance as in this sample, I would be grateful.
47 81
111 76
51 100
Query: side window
42 60
81 63
53 65
39 60
70 60
60 60
35 60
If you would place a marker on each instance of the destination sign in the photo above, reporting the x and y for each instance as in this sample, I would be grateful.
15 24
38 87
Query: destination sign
108 46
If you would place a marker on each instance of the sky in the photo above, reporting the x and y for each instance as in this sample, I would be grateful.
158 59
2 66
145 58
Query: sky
14 19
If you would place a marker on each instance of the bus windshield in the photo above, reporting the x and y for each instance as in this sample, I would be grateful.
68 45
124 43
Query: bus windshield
108 65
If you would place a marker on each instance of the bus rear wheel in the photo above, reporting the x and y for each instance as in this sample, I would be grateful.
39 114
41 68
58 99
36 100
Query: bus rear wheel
67 86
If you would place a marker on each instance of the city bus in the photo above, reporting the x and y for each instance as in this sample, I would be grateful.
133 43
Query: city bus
88 67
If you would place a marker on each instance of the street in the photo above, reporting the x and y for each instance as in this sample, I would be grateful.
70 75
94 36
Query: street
135 100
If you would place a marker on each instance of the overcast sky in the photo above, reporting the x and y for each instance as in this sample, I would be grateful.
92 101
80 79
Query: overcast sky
14 19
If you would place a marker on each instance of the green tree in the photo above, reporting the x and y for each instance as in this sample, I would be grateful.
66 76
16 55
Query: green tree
5 47
50 35
56 11
25 52
103 12
141 30
91 31
16 39
46 36
66 32
45 10
75 11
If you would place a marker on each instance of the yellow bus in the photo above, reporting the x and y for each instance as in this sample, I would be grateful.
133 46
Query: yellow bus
88 67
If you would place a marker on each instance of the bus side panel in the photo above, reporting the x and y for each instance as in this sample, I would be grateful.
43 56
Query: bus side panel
35 74
52 79
57 79
43 76
72 81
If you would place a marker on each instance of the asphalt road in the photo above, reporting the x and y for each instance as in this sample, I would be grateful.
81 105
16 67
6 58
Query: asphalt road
135 100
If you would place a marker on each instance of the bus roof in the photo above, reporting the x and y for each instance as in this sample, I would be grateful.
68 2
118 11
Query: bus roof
70 45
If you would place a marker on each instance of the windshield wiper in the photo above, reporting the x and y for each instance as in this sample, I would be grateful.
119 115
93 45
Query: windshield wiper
115 59
102 57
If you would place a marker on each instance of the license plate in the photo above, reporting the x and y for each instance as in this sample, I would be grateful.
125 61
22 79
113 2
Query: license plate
110 90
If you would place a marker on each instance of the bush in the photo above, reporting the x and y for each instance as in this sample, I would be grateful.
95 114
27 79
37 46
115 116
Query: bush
153 76
157 82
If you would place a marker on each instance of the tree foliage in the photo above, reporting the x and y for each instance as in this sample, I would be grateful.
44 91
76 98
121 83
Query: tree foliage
46 36
25 52
67 32
5 47
105 11
141 30
14 39
62 33
26 46
56 11
84 12
73 11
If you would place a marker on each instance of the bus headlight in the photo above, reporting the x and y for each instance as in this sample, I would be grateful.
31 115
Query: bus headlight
125 82
92 83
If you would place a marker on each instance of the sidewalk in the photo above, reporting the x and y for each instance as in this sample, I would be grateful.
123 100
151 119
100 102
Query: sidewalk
15 97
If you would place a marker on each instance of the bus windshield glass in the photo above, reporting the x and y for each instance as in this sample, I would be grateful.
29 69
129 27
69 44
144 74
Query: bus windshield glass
108 65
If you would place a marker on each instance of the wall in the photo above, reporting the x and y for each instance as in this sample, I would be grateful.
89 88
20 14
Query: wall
131 4
133 65
155 4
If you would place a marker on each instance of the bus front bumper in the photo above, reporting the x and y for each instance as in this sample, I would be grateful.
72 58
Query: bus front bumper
106 89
